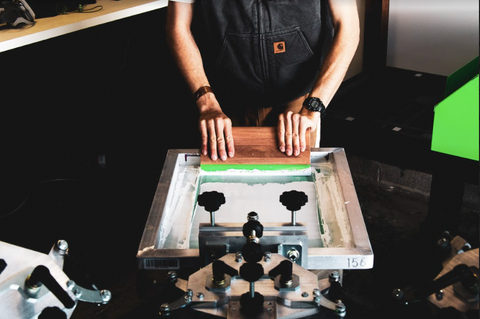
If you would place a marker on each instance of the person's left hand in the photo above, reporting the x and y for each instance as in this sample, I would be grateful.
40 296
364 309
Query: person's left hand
292 128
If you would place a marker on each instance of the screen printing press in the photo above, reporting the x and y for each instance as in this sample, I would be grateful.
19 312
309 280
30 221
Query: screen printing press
255 237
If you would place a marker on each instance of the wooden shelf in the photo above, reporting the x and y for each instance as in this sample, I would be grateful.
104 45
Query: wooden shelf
46 28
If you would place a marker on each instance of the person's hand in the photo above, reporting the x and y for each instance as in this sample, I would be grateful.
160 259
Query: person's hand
292 128
216 130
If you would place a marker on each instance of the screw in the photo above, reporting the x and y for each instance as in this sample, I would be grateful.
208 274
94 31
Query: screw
267 256
340 309
164 309
172 276
70 284
334 276
238 257
106 295
77 292
398 294
293 254
188 296
305 294
252 216
439 295
316 292
200 295
443 243
62 245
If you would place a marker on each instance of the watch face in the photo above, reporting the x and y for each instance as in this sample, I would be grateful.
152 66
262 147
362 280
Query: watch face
314 104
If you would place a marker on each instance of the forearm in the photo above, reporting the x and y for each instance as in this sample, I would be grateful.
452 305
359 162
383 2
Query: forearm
184 49
215 127
337 61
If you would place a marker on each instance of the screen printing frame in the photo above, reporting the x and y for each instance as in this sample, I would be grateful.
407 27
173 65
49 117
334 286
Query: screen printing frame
359 256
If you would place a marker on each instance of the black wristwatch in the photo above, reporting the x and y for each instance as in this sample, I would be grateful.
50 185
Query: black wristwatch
314 104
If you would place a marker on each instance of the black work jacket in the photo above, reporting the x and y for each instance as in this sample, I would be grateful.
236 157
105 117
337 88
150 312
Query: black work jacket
262 52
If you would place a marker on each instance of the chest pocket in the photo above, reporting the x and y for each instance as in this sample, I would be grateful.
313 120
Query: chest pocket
266 61
287 47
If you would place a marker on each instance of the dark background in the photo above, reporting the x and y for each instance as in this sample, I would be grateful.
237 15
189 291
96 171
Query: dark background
113 91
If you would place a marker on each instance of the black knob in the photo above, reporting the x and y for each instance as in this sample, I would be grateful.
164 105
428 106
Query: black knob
52 313
3 265
252 225
284 269
460 273
211 200
293 200
251 306
252 252
335 292
251 302
251 272
220 268
41 275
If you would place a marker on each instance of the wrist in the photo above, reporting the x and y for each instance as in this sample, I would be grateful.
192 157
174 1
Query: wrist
207 103
315 116
314 105
201 92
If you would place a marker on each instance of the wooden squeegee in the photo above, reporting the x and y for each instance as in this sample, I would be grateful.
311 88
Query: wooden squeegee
256 148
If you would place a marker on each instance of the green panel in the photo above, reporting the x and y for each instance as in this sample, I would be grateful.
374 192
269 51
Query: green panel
461 76
456 123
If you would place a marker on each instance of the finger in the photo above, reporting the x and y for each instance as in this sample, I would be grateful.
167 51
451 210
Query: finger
295 134
303 131
229 138
219 127
204 135
288 134
212 139
281 132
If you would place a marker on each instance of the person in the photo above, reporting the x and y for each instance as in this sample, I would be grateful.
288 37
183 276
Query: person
274 62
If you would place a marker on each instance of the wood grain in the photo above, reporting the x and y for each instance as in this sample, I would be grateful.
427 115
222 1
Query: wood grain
258 145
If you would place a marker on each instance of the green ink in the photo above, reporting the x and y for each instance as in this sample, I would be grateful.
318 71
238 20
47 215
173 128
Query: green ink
251 167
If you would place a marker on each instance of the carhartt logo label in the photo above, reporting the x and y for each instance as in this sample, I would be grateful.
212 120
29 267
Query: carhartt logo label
279 47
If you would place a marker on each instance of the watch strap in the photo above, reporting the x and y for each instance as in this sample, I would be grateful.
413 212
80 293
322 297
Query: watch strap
201 92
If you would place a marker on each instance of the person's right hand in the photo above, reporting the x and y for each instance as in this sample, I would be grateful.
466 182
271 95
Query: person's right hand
215 128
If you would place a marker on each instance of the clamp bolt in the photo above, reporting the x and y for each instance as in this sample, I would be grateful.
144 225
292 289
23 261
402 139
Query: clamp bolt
238 257
164 309
334 276
293 254
267 256
106 295
188 296
172 276
62 245
439 295
70 284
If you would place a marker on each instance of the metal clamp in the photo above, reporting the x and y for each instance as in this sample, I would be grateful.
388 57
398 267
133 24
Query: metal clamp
166 308
87 295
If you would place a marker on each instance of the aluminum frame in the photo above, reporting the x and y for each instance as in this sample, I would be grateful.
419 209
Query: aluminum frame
359 256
